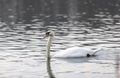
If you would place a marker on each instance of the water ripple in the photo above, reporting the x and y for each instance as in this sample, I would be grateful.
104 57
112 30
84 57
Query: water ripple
23 52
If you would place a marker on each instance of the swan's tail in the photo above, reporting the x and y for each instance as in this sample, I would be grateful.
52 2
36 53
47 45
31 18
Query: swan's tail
96 51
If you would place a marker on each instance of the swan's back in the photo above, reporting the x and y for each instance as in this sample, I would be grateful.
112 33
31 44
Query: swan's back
74 52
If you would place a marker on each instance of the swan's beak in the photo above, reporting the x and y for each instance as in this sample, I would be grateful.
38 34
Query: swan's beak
46 34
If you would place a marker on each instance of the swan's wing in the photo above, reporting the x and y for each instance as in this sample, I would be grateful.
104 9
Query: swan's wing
73 52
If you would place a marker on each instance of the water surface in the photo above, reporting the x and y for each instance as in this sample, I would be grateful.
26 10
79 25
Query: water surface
22 52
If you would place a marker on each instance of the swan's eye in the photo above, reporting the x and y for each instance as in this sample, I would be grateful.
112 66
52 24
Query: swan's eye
47 34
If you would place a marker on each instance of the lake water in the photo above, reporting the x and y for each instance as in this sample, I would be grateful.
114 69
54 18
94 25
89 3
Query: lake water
23 55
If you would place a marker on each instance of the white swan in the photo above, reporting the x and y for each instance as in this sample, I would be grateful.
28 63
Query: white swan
70 52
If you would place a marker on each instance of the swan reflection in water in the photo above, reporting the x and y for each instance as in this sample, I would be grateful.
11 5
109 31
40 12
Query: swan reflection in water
49 70
117 66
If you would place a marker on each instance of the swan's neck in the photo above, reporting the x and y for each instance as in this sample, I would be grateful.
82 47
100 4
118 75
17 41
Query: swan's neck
48 47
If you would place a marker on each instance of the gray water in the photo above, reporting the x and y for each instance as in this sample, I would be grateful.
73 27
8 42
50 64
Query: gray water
22 53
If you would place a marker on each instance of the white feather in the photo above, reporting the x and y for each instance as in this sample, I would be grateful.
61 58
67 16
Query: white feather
74 52
70 52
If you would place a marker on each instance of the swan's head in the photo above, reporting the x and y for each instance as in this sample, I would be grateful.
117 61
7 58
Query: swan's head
49 34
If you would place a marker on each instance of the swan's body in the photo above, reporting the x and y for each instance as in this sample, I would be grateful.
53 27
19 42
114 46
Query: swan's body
70 52
75 52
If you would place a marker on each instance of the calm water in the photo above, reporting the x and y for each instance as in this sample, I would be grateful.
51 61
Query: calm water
22 53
